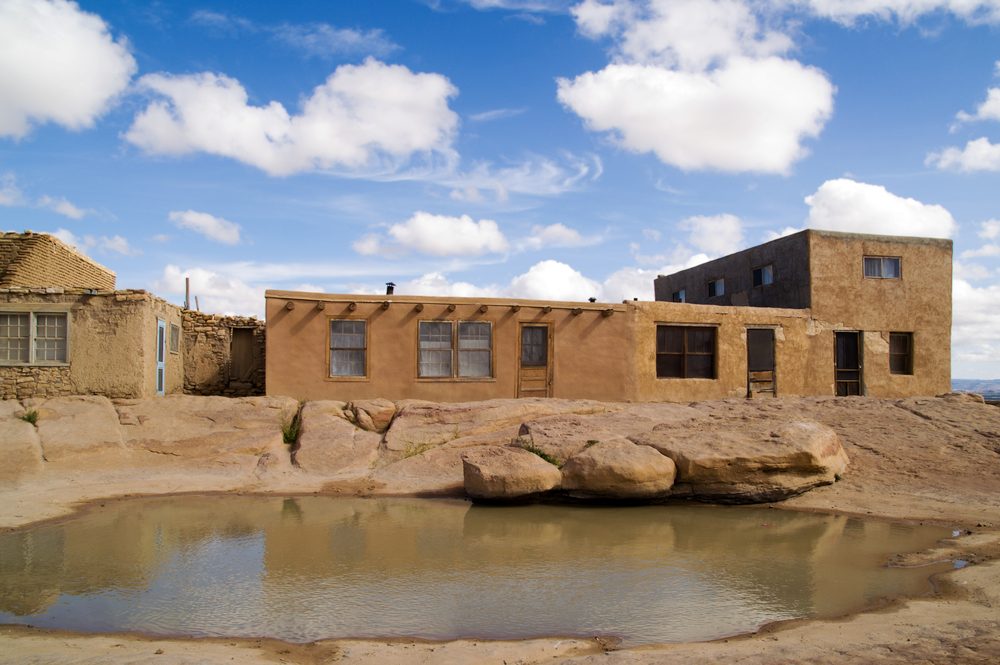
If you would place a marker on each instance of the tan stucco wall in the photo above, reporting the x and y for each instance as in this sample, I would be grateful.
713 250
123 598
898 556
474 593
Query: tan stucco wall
111 342
590 351
918 302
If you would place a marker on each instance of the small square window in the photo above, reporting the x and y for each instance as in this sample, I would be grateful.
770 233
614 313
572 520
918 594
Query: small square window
348 347
716 287
901 353
883 267
175 338
679 296
685 352
763 276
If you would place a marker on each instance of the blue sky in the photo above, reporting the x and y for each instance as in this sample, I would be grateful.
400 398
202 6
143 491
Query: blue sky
530 148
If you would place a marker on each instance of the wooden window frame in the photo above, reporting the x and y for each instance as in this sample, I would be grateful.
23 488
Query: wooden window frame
330 376
907 356
32 338
455 348
685 353
174 344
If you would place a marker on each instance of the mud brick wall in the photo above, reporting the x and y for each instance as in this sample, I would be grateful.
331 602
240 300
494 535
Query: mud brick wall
208 362
39 260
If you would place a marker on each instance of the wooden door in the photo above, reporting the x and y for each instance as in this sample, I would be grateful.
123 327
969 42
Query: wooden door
762 375
847 364
534 373
241 364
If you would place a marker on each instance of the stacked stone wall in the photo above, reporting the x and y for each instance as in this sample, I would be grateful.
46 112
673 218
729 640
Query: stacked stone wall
39 260
207 340
28 381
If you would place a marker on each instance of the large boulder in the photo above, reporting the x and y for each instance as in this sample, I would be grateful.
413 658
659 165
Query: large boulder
329 444
619 469
504 472
749 461
70 426
374 415
20 448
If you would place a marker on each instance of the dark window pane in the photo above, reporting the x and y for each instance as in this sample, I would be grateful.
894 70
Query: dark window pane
700 367
873 266
758 277
669 339
760 350
700 340
534 346
890 267
899 343
670 365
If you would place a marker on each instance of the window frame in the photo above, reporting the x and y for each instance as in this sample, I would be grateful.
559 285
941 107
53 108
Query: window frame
33 337
764 270
908 356
174 342
679 295
882 259
718 285
330 376
685 353
455 349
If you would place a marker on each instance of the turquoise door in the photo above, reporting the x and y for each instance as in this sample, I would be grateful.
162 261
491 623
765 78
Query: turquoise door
161 354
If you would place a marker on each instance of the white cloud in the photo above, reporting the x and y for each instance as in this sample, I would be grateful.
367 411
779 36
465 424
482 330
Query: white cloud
217 293
904 11
108 244
324 40
69 238
496 114
118 245
970 271
210 226
439 235
857 207
990 229
978 155
436 284
57 64
10 193
534 176
555 235
774 235
988 110
746 115
361 115
976 327
714 234
61 206
553 280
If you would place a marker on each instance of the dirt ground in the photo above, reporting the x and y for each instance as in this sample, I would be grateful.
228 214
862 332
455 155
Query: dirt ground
933 459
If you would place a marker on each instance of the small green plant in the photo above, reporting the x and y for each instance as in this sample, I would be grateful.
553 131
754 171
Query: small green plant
591 442
290 430
541 453
30 416
414 449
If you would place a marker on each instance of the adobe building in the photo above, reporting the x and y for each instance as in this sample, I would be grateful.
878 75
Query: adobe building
64 329
815 313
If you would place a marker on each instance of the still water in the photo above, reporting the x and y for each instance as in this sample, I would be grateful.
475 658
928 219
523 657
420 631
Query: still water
307 568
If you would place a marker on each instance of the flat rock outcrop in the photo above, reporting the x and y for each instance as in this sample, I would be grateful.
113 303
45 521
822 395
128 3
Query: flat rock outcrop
506 472
70 426
736 461
618 469
328 443
20 449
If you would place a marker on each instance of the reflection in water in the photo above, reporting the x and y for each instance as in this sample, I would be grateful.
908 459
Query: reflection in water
306 568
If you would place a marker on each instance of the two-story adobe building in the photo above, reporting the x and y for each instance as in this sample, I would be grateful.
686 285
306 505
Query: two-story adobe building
815 313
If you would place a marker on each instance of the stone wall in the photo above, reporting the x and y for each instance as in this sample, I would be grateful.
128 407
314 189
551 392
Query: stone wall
40 260
208 362
25 382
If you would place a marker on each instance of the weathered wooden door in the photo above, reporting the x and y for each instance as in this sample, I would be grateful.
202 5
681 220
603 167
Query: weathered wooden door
161 357
241 354
848 365
534 374
762 374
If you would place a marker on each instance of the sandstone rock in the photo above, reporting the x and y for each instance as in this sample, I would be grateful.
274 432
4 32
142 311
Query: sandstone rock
618 468
750 461
328 443
504 472
433 472
69 426
421 425
20 448
374 415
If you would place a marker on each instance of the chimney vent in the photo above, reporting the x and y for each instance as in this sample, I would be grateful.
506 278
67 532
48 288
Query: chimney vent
389 288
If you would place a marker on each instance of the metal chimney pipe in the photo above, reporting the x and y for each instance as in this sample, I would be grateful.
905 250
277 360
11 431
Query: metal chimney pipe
389 288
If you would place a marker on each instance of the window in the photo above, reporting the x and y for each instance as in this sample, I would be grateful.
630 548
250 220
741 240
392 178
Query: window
883 267
763 275
716 287
439 341
175 338
348 344
685 352
33 338
901 353
679 296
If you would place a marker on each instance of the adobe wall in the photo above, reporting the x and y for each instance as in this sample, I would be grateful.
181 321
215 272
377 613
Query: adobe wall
794 343
110 344
206 341
39 260
789 257
591 352
918 302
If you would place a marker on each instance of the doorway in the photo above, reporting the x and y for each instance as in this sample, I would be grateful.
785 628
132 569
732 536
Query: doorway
241 365
762 375
534 374
848 365
161 356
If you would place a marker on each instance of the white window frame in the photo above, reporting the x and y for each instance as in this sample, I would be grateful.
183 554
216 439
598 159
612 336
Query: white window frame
331 349
33 338
881 267
455 353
